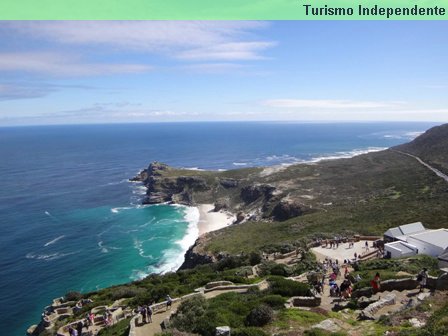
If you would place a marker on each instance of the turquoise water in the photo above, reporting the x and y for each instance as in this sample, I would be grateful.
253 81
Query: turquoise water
70 220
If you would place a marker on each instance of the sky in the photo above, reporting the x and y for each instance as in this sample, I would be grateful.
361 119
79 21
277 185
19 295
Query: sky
82 72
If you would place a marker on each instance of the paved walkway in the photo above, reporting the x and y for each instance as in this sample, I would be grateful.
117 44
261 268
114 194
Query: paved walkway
343 251
434 170
150 329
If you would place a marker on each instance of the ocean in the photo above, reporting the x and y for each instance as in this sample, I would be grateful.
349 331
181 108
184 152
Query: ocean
71 220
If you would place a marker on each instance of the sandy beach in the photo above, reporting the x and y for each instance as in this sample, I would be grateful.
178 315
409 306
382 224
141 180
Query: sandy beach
211 221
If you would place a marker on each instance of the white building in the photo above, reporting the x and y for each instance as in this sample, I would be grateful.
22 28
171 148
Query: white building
394 234
412 239
399 249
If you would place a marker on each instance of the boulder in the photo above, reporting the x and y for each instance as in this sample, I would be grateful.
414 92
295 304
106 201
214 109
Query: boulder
31 330
240 217
327 325
222 331
221 204
416 323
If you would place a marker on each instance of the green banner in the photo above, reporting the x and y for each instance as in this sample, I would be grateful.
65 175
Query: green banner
223 10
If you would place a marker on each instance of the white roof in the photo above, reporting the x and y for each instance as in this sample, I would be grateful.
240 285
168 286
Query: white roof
406 229
400 246
437 238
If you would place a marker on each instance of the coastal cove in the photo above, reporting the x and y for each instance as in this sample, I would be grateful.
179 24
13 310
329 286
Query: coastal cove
71 218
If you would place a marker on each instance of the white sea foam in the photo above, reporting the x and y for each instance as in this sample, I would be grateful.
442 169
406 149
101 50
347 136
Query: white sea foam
239 164
138 275
173 258
48 257
117 210
346 155
138 245
116 182
413 135
105 249
54 240
139 190
102 248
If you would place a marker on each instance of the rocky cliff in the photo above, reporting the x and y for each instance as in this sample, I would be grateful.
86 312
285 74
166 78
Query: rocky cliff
238 191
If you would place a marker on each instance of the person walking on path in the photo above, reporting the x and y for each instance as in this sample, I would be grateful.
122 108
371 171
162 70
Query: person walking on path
169 302
422 278
149 313
376 283
79 327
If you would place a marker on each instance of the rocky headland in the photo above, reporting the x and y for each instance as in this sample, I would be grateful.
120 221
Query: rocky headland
366 194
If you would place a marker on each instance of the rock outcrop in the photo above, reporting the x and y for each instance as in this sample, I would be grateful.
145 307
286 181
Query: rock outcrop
252 193
194 257
287 209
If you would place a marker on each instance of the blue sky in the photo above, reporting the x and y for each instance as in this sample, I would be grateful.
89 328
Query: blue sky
56 72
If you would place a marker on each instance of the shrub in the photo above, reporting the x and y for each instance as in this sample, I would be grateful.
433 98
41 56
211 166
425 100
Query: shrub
280 269
248 331
189 314
259 316
254 258
274 301
119 329
73 296
230 262
287 288
126 292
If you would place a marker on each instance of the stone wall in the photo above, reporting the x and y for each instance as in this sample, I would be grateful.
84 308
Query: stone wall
403 284
305 301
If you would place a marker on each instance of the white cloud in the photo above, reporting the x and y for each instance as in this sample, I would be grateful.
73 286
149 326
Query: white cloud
59 64
330 104
190 40
227 51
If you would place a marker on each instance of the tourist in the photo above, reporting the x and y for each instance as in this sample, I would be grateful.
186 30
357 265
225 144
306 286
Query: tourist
149 313
346 271
367 246
358 278
333 276
143 312
77 307
169 302
334 290
422 278
72 332
79 327
92 319
345 289
376 283
356 256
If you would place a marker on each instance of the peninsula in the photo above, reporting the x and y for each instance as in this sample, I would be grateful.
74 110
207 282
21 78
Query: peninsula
279 214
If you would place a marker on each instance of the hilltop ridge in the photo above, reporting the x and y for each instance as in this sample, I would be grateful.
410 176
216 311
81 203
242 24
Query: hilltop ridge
431 146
